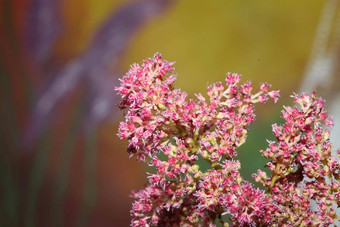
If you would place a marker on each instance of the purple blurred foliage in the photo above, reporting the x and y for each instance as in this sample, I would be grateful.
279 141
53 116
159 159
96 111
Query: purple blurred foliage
107 46
44 26
92 70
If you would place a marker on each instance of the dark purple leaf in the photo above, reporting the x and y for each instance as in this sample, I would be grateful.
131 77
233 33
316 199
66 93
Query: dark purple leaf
91 68
43 28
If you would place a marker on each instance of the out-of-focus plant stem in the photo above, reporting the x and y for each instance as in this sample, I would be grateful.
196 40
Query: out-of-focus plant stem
89 179
36 179
9 192
8 139
62 181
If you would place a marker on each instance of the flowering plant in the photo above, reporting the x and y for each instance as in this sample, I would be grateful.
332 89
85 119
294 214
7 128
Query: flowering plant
302 190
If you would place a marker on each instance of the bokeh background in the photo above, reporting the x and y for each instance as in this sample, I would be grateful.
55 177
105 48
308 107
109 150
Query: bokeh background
61 163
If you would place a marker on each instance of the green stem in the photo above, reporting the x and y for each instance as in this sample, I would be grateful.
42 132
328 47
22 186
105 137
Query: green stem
90 176
8 143
9 193
64 171
36 178
274 178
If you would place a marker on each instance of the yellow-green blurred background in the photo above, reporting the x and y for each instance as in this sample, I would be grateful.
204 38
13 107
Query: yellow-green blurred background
55 169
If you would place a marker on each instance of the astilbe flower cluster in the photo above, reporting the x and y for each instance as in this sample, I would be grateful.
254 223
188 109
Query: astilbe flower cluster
159 119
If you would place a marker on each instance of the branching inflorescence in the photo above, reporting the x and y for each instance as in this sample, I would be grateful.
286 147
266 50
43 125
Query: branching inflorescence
302 190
